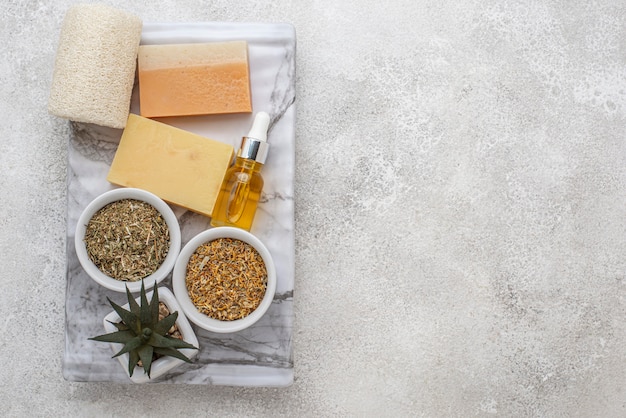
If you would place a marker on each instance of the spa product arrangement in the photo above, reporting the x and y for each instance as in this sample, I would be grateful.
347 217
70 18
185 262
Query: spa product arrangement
199 87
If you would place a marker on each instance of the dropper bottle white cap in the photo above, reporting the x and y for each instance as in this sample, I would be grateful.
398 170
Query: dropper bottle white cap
254 146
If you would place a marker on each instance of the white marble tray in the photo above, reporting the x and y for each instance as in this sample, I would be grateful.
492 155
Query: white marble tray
261 355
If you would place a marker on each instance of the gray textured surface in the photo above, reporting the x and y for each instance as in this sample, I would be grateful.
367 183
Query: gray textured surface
460 213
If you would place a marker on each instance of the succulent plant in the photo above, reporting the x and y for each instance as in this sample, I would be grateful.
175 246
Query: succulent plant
142 333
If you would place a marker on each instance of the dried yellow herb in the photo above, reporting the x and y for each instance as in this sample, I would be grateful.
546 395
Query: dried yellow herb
226 279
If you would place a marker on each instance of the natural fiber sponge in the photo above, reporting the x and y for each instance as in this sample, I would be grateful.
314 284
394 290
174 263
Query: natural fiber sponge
194 79
95 65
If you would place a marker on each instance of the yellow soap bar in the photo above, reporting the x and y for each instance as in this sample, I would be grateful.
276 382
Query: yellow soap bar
180 167
194 79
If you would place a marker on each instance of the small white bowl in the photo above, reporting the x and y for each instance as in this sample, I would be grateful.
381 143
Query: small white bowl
180 288
118 194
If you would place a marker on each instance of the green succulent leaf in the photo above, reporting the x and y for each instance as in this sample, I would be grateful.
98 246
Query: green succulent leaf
130 345
119 325
133 359
166 323
161 341
134 306
154 306
146 314
121 337
130 319
166 351
145 354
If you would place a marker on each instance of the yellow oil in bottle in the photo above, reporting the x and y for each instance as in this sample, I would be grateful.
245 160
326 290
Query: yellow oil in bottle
239 195
241 188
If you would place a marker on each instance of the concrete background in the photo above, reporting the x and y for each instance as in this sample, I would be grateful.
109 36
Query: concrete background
460 213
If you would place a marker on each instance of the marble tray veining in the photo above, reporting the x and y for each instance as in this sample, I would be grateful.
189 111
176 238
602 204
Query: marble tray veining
262 354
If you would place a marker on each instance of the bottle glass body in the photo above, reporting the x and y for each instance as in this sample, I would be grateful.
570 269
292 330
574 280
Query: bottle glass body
239 195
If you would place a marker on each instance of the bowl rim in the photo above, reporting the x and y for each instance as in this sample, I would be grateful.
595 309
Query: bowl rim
118 194
180 288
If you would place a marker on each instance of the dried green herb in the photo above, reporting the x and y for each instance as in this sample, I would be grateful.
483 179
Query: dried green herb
127 239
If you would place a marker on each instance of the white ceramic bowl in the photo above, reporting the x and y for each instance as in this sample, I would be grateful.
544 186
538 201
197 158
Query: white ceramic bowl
180 288
112 196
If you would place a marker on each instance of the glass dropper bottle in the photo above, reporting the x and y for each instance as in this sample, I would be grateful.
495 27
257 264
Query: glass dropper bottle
242 185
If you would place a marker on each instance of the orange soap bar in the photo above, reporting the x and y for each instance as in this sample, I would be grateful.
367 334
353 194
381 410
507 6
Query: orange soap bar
194 79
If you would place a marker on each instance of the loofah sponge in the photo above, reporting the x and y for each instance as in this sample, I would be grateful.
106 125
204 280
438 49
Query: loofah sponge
95 65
